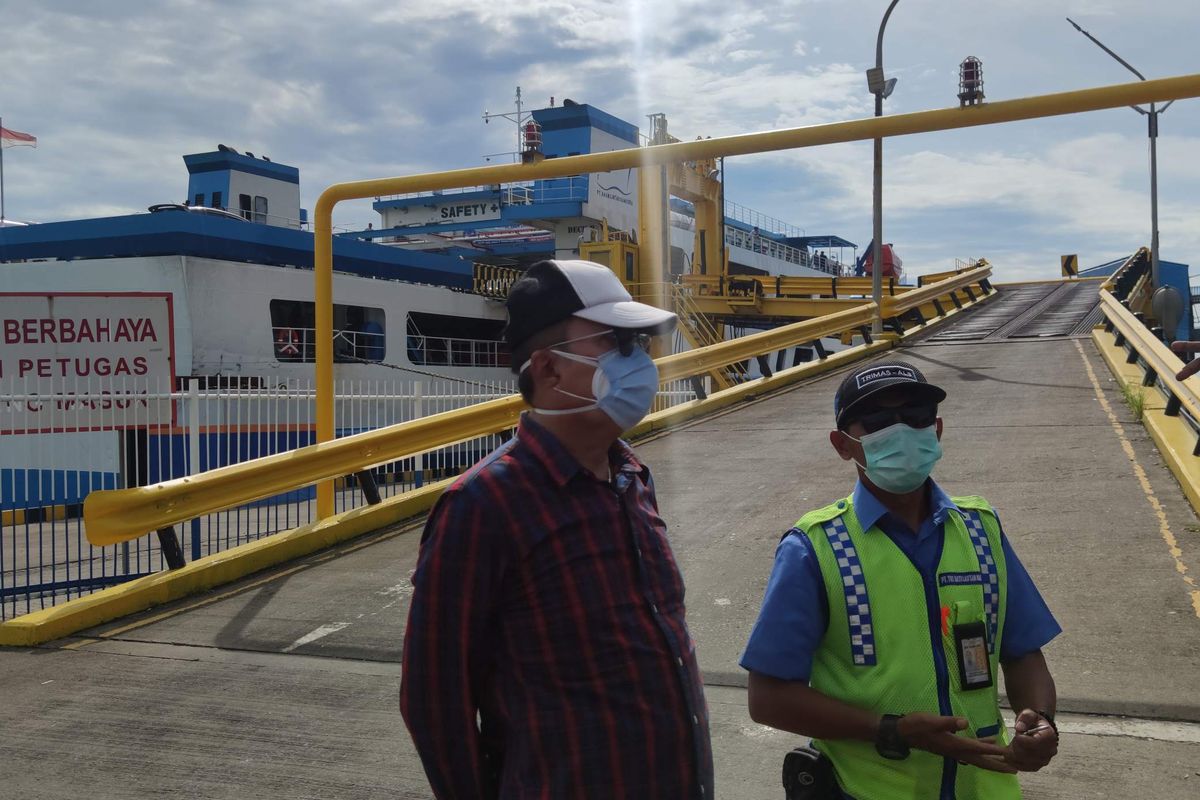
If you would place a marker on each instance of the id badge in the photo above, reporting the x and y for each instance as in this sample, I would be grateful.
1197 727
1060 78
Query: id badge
974 667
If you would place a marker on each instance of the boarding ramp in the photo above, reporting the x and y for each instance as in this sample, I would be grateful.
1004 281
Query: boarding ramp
287 678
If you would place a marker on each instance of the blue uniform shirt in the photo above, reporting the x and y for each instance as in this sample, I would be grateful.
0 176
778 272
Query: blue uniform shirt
795 613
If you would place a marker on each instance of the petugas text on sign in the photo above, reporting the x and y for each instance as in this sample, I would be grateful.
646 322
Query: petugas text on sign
53 346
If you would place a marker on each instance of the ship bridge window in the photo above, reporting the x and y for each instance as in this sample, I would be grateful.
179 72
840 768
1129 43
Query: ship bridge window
244 206
449 341
358 332
260 209
199 199
216 200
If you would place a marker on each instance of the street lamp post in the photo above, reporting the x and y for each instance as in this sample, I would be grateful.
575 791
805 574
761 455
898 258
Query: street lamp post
1152 131
881 87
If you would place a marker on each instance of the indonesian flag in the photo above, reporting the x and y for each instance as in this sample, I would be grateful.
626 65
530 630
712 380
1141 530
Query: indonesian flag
16 138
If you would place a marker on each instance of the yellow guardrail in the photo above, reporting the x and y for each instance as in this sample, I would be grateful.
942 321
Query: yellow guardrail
1141 362
1157 360
120 515
898 304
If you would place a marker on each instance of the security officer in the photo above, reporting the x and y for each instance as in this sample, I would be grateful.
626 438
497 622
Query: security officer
889 614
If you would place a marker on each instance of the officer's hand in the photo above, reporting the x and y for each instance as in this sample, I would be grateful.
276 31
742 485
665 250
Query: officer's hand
936 735
1183 350
1032 751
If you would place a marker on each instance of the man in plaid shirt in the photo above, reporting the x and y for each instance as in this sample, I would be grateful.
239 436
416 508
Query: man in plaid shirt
546 653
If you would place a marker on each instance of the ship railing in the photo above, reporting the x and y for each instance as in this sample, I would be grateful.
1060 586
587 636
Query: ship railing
551 190
757 219
747 240
294 344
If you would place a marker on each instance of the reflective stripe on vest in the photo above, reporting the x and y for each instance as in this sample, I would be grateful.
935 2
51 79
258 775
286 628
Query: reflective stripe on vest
854 584
987 567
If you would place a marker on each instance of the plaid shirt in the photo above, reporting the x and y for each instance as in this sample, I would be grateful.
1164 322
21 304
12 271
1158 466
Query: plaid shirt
546 653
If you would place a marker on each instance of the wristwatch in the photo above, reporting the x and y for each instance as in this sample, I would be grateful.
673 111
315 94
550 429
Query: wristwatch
1046 715
888 741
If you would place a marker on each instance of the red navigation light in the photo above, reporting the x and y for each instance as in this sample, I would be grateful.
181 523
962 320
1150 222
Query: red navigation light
970 81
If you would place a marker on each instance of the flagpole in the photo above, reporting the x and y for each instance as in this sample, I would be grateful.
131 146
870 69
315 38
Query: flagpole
2 217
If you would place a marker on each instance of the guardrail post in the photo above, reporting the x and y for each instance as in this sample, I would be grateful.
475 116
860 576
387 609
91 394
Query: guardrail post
1150 377
865 330
698 387
986 286
172 552
1173 405
895 324
957 302
194 452
1108 325
916 312
970 294
1119 340
1133 355
764 366
366 482
939 308
822 354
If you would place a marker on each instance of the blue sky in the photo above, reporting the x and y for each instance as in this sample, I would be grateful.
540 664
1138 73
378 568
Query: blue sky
117 91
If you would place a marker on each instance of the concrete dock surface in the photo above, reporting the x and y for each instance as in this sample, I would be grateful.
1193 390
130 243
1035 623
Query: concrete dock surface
286 684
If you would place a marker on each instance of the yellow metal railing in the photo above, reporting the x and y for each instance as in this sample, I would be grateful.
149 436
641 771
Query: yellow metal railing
121 515
1141 362
895 305
1127 94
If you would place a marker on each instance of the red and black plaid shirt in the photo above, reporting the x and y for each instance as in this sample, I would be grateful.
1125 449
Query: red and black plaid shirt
546 654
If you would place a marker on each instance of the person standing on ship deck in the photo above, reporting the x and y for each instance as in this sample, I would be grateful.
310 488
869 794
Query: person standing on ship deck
890 613
546 653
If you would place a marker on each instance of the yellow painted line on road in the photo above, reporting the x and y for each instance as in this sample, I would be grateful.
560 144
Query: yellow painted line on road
1164 526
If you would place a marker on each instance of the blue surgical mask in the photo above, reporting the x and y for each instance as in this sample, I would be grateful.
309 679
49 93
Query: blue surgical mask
900 458
623 387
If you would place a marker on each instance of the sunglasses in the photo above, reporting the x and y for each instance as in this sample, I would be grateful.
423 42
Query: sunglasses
914 416
627 340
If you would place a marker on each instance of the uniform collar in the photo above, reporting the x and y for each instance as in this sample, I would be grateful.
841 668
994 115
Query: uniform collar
561 465
869 510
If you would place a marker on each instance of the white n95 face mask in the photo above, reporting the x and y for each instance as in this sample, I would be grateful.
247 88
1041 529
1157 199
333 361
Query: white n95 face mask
623 387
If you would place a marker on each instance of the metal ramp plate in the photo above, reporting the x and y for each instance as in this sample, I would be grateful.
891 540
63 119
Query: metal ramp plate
1032 311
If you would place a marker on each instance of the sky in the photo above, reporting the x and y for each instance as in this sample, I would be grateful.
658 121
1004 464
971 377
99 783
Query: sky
118 91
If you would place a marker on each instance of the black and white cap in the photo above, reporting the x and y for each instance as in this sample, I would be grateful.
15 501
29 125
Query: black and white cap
551 291
869 380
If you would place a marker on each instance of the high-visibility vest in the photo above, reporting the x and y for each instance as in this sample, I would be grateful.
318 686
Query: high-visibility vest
890 646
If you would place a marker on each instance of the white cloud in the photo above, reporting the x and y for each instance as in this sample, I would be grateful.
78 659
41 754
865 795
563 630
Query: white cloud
348 90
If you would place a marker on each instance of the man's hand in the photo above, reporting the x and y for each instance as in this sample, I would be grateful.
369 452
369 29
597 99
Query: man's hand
1035 744
936 735
1183 349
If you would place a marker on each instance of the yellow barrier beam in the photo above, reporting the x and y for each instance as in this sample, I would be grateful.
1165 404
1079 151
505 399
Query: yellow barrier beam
694 362
1073 102
123 514
900 303
1157 355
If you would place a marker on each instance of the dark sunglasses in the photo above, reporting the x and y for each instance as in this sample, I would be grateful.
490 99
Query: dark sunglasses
914 416
628 339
